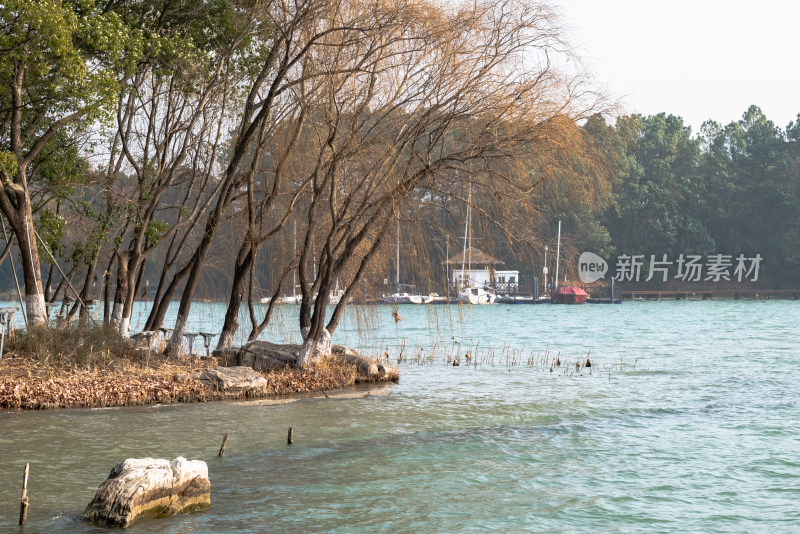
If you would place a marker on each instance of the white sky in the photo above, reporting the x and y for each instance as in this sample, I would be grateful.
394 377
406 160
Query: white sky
701 59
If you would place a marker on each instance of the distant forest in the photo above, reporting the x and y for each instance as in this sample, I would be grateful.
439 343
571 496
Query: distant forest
729 189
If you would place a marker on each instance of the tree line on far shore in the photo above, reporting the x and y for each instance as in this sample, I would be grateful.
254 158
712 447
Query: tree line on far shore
729 189
661 189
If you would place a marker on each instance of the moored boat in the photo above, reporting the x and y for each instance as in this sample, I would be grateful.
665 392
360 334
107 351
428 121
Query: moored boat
476 295
402 298
569 295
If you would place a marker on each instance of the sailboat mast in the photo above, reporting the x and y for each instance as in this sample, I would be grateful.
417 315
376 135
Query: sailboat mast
294 273
558 252
466 231
469 232
446 265
397 263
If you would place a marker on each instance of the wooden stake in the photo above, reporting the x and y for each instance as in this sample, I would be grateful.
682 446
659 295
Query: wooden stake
23 504
290 438
224 441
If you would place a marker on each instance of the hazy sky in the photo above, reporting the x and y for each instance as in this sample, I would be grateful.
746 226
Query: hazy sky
698 59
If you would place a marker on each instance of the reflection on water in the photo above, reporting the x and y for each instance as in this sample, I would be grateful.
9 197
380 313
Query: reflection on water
700 436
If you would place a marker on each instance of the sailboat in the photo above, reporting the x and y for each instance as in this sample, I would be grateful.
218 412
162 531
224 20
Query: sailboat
471 292
297 298
401 296
294 298
567 294
336 295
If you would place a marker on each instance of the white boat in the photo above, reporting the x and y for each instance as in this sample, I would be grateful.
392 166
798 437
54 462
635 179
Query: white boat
336 295
471 292
288 299
402 298
476 295
435 298
291 299
295 298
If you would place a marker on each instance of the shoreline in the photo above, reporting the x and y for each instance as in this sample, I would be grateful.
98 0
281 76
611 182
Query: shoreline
25 385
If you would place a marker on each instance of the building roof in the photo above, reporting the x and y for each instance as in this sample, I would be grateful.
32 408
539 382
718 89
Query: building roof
474 256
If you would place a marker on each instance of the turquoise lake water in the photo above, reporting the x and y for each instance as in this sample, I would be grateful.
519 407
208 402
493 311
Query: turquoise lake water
686 422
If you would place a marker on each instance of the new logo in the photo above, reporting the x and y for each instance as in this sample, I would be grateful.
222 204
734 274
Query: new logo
591 267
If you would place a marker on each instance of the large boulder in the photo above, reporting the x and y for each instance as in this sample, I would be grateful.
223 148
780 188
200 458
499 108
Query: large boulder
266 356
366 367
146 487
260 355
239 379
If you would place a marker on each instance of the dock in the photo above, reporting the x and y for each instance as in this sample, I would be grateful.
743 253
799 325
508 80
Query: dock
712 294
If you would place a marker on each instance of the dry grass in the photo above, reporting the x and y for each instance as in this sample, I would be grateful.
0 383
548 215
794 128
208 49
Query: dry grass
96 367
90 347
26 386
325 374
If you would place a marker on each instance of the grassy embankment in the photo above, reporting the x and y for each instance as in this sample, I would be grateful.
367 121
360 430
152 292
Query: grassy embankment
90 366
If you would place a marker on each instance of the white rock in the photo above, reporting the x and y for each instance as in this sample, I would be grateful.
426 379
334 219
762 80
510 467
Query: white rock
147 487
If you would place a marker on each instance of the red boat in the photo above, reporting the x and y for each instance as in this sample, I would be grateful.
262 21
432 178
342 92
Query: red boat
569 295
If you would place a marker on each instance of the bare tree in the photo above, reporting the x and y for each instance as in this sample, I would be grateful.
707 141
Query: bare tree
469 94
286 36
350 47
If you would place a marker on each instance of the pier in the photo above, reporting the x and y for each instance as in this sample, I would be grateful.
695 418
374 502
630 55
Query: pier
712 294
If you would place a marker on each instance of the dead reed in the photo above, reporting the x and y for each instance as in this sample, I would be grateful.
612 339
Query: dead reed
471 354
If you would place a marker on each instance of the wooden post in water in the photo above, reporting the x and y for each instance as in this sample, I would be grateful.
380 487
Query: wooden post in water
23 504
224 441
290 438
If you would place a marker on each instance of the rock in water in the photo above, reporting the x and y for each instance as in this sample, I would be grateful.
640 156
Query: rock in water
146 487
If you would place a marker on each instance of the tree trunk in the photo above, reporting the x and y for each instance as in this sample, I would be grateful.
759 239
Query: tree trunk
22 224
240 271
314 348
87 286
107 291
49 283
34 294
121 292
132 279
173 347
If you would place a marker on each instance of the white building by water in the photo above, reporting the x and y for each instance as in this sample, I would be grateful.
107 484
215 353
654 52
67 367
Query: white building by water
475 267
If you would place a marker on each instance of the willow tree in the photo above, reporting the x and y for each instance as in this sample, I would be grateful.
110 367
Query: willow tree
171 122
468 95
280 77
350 46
